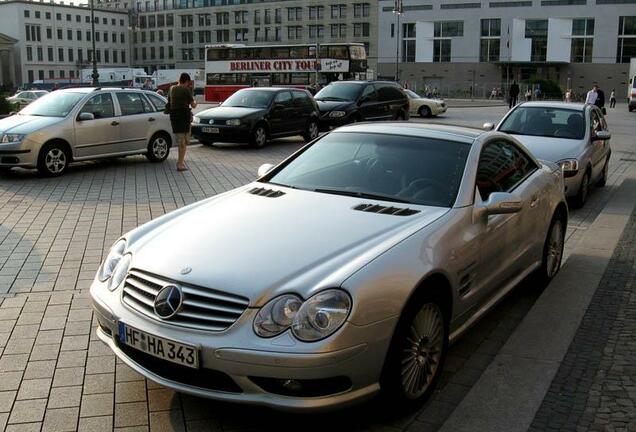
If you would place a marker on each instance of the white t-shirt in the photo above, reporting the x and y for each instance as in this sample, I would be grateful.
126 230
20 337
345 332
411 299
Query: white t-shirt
591 97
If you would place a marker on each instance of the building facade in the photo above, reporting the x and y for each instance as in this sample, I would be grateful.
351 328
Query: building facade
54 39
472 46
169 34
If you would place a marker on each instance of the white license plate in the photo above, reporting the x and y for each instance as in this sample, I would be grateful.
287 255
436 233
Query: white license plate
210 130
162 348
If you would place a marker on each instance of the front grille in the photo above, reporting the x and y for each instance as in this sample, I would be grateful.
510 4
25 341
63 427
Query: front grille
202 308
209 379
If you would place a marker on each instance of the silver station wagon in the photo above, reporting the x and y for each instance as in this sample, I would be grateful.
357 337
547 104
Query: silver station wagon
85 123
339 274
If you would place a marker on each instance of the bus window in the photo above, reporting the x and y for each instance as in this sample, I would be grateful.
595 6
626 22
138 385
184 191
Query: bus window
338 52
357 52
281 78
299 78
265 52
217 54
299 52
280 53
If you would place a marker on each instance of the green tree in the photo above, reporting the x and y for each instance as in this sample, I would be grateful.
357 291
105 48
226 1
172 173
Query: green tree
5 106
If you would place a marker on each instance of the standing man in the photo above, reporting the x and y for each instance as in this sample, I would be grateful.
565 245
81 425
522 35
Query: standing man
600 99
514 94
592 95
613 99
180 104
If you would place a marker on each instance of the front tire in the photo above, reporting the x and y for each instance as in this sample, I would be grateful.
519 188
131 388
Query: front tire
417 353
259 136
584 189
425 112
53 159
311 133
158 148
552 252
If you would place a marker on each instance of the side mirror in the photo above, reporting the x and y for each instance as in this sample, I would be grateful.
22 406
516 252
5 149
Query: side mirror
86 116
601 135
488 126
497 203
264 169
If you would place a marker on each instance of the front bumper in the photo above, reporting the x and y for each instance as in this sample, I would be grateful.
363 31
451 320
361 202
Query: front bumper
573 183
235 134
327 123
239 361
19 154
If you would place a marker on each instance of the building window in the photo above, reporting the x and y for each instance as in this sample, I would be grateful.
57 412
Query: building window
40 53
169 20
448 29
40 74
240 34
70 55
162 54
294 32
339 11
49 33
69 34
582 40
316 12
37 14
222 18
60 54
123 56
47 15
537 32
30 76
316 31
222 35
71 73
360 29
338 30
490 41
294 14
408 42
626 48
441 50
79 35
361 10
49 54
51 74
26 13
170 52
257 17
29 51
115 56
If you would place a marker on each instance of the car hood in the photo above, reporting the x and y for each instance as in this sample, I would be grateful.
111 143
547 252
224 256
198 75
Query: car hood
225 113
327 106
258 247
26 124
551 149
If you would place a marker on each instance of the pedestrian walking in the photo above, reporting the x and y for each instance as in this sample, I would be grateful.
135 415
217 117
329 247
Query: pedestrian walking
528 95
514 94
537 93
613 99
568 95
179 106
592 95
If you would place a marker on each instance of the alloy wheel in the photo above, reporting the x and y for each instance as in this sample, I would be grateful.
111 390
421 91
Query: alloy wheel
313 130
260 137
160 148
55 161
422 351
555 249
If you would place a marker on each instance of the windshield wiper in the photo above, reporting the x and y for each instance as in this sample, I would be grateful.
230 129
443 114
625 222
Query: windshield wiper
363 195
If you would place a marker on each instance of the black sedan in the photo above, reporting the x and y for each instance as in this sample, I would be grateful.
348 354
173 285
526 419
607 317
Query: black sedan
256 115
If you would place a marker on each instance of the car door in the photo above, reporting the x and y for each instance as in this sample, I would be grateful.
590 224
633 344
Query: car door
136 119
99 136
282 116
303 109
369 104
506 240
599 147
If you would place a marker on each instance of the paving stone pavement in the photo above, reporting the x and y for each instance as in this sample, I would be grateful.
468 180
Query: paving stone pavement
595 386
54 373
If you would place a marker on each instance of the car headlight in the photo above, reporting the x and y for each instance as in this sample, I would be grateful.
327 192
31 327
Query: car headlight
321 315
196 120
337 114
12 138
277 315
314 319
112 259
233 122
569 165
120 272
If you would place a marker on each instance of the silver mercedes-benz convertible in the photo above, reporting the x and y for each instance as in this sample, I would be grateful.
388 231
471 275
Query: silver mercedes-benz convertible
341 273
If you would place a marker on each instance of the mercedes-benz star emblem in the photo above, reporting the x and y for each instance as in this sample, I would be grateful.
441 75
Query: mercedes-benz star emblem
186 270
168 301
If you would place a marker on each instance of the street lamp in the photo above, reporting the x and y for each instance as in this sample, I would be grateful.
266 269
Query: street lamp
397 10
95 74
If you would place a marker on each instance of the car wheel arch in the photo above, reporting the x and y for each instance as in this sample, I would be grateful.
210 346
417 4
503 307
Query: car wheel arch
63 143
438 284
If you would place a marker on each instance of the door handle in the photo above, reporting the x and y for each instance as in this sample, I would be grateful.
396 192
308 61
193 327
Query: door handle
151 119
534 201
114 123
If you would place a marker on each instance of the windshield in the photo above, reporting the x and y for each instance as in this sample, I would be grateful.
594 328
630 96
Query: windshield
56 104
339 92
544 121
414 170
249 99
411 94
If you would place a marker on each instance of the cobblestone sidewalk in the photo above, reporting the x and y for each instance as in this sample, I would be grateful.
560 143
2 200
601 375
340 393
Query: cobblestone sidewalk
595 386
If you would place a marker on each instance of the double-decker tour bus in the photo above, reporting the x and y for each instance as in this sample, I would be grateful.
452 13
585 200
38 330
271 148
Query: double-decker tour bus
229 68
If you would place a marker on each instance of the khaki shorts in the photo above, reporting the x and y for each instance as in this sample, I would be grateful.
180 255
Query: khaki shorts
181 136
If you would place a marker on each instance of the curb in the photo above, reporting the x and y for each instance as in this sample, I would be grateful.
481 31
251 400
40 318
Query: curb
510 391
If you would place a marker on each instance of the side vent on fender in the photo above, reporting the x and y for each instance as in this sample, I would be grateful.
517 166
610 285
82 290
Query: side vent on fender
269 193
395 211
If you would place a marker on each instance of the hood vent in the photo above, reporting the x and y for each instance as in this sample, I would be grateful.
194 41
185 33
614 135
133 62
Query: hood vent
395 211
270 193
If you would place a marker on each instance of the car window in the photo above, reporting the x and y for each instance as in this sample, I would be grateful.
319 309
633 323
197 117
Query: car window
388 92
132 103
596 123
28 95
502 166
159 103
283 98
368 94
545 121
301 99
101 106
